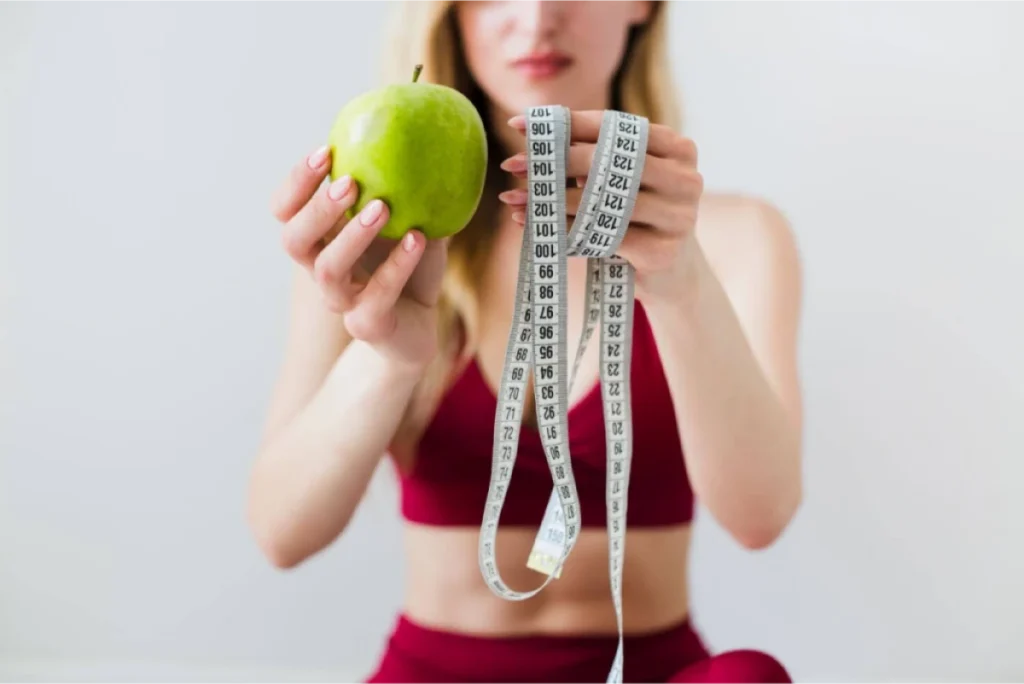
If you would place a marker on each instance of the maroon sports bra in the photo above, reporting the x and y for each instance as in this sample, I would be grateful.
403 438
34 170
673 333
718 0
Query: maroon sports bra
449 478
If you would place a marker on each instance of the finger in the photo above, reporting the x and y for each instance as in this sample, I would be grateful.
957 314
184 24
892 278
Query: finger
661 175
648 250
662 141
373 316
425 283
651 208
303 180
585 124
374 255
303 234
333 267
578 162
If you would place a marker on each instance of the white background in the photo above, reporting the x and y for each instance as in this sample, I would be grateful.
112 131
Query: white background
144 299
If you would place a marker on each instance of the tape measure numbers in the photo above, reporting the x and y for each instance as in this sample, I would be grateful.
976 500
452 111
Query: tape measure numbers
538 339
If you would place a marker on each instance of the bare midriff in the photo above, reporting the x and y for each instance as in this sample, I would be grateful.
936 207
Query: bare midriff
445 588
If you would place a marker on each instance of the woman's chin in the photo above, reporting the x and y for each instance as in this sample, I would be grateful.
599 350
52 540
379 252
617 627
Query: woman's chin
519 100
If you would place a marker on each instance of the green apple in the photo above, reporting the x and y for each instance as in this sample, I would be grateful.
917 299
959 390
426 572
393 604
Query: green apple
420 147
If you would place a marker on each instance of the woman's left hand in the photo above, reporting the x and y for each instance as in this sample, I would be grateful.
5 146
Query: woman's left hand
660 237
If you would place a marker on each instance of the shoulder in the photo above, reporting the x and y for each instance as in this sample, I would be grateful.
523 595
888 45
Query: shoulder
749 243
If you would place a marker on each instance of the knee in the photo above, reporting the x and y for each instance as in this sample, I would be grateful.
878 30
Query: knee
746 665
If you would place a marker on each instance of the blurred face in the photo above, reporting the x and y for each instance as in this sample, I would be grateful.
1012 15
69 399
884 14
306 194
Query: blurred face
526 53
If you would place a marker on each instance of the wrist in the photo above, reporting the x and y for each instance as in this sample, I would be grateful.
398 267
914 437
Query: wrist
689 322
395 372
676 294
364 388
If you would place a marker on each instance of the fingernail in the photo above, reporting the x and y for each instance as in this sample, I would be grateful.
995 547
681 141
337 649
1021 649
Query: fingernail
517 121
514 164
519 217
371 212
517 196
409 241
317 159
339 188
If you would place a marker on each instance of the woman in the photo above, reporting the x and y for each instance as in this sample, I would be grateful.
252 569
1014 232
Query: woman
396 350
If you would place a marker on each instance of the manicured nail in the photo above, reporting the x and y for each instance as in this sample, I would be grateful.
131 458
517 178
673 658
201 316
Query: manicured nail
317 159
339 188
371 212
519 217
517 196
409 241
514 164
517 121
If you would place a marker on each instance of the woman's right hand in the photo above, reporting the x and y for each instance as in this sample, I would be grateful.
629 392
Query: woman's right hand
386 291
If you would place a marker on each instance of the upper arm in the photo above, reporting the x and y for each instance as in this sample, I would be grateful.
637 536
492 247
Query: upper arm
763 279
316 338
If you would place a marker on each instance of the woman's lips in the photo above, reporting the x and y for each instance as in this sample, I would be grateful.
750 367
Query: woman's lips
544 65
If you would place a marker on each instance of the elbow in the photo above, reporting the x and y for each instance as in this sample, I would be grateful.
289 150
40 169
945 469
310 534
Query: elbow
757 539
275 538
286 540
771 510
274 543
760 529
279 547
277 555
280 558
271 520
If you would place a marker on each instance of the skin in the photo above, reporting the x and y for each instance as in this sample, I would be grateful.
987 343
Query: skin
720 279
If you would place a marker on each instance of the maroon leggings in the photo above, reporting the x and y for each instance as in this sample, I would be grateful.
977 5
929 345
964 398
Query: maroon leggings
419 654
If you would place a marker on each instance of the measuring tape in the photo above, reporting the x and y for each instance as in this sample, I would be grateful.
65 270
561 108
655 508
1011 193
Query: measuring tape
538 339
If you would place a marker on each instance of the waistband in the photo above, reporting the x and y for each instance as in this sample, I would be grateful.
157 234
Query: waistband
417 653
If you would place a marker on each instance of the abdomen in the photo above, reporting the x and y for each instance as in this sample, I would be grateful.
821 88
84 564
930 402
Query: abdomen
445 588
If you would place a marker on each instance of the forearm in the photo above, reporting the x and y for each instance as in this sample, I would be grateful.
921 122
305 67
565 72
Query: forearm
742 445
310 477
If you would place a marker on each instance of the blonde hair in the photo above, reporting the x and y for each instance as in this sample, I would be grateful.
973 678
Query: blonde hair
427 33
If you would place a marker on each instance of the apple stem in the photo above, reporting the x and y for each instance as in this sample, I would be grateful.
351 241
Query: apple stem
416 72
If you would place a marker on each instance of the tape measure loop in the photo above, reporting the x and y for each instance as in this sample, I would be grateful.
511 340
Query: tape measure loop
537 339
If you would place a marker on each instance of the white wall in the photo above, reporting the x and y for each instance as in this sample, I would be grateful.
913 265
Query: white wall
145 299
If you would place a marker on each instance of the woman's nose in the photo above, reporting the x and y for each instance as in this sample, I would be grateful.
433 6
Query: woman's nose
539 17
